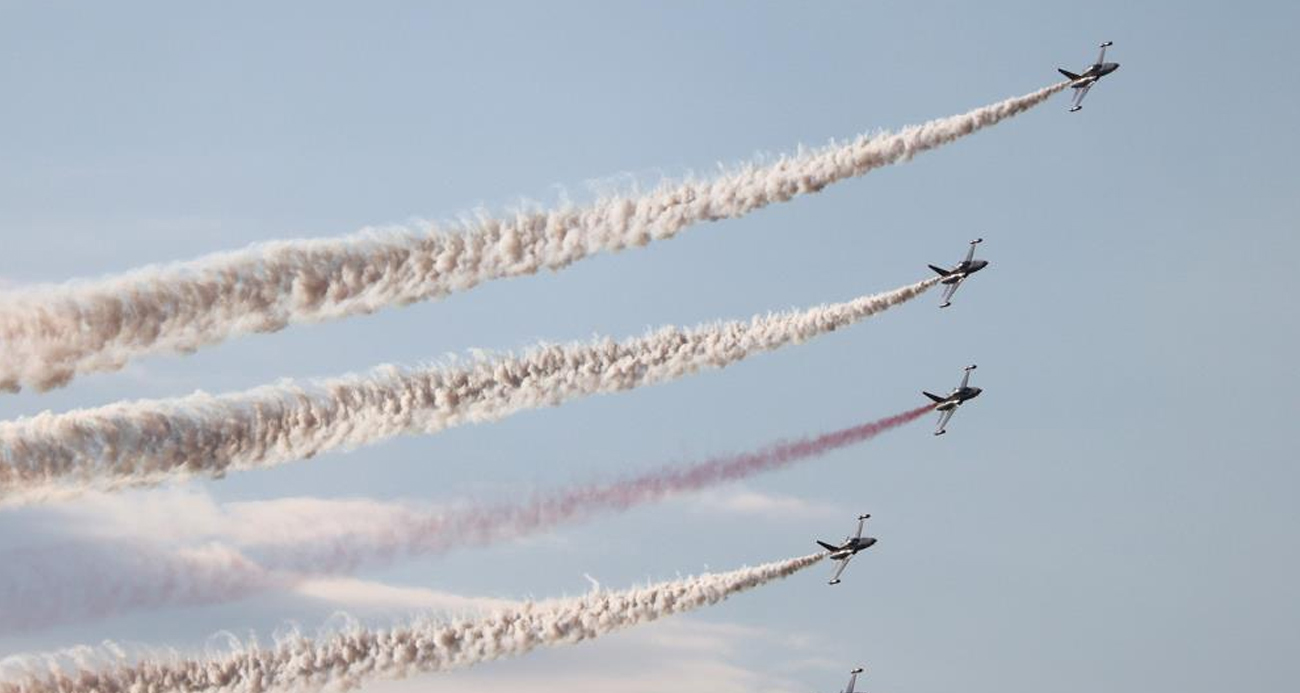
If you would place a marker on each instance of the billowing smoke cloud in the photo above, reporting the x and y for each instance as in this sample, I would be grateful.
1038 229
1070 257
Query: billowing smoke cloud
348 659
300 538
52 334
145 442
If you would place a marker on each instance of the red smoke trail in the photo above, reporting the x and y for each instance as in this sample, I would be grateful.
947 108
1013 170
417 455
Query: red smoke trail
496 523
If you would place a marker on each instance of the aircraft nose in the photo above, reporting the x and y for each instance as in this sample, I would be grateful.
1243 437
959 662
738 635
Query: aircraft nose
977 392
871 541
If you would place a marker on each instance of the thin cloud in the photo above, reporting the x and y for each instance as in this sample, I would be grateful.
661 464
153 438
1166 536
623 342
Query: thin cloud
362 596
750 503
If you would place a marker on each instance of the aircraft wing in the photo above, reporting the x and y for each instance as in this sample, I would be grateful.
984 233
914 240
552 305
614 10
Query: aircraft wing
853 681
1101 57
949 291
943 420
839 569
861 521
965 379
970 254
1082 92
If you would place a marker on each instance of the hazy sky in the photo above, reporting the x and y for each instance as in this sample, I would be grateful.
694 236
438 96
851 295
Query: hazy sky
1115 513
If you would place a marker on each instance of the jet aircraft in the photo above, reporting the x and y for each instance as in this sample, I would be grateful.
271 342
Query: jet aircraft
948 405
1083 82
958 274
853 680
846 551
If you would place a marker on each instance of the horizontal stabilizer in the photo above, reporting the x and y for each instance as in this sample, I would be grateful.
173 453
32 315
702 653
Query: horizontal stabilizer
828 547
932 396
940 271
1067 73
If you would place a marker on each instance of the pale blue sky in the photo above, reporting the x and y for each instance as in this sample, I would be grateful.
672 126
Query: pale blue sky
1115 513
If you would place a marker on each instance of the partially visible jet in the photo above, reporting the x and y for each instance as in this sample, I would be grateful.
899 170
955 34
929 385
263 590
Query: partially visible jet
1083 82
958 274
853 680
846 551
949 404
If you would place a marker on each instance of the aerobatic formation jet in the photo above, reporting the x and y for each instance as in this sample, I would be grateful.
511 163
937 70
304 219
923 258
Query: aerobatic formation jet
948 405
846 551
1083 82
853 680
958 274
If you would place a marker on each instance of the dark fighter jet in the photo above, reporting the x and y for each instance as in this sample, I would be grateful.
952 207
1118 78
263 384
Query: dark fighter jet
1090 76
955 276
847 550
948 405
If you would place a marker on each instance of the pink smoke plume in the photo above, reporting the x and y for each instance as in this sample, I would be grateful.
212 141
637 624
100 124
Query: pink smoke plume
55 584
508 521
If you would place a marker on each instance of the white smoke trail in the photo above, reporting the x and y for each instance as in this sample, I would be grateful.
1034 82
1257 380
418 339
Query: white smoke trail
145 442
52 334
349 659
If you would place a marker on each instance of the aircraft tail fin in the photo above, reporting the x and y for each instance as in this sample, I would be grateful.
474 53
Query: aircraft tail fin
1067 73
828 547
940 271
933 397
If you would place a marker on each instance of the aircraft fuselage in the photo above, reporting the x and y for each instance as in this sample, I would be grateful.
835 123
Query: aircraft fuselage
851 547
1094 73
1104 69
964 270
958 396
